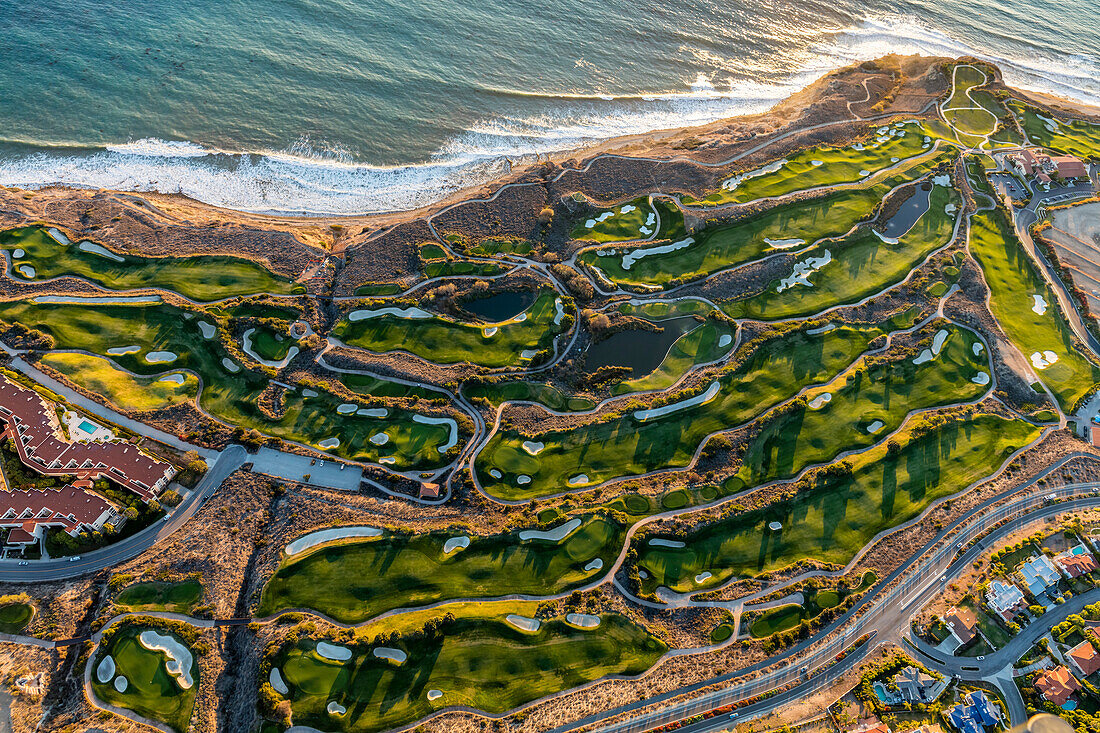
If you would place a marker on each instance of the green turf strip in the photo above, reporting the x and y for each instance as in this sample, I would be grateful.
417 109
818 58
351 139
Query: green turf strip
775 371
445 341
1013 281
202 277
150 691
544 394
832 522
1069 137
119 387
487 664
618 226
156 596
355 581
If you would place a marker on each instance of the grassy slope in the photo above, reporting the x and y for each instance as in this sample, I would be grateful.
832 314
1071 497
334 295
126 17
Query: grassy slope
618 227
356 581
1013 280
1069 137
203 277
121 388
14 617
155 596
832 522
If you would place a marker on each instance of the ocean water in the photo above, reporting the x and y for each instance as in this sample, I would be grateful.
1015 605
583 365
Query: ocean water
342 106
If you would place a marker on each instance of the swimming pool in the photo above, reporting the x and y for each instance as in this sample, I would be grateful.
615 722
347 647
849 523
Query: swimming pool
87 427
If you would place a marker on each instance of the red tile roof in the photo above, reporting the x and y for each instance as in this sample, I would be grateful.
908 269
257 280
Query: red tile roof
1085 657
1057 685
963 623
1076 565
1070 167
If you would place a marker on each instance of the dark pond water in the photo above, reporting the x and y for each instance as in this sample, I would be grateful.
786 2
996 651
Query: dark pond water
500 307
638 349
908 213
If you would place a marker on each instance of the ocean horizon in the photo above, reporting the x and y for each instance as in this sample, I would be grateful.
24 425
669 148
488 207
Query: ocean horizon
343 108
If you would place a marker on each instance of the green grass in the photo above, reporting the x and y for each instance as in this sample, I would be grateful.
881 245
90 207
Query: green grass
270 345
721 633
455 268
231 397
120 388
1069 137
445 341
487 664
489 247
155 596
834 520
151 691
431 251
355 581
698 346
623 446
544 394
369 386
777 620
14 617
378 289
1013 280
860 266
202 277
677 499
618 227
837 165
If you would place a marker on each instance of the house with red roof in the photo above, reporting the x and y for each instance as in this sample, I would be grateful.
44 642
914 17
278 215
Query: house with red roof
1084 658
1057 685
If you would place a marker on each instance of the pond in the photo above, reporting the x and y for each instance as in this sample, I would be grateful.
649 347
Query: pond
908 213
639 349
500 307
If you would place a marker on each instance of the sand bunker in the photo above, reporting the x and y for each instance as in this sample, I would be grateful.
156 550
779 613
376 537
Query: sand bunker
394 655
276 680
160 357
333 652
121 683
387 459
673 544
634 255
347 408
311 540
522 622
489 332
176 378
246 346
230 366
820 401
120 350
583 620
978 346
700 399
874 427
580 478
732 183
783 243
596 564
802 271
599 219
328 443
105 670
981 378
309 393
455 543
703 577
1040 304
944 180
775 526
724 340
335 708
26 271
179 659
495 473
379 439
59 236
435 694
885 239
97 249
208 330
452 440
627 209
1043 359
363 313
528 353
557 534
533 447
523 479
369 411
16 254
937 345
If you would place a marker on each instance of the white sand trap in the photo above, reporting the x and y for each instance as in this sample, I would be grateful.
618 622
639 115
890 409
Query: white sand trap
824 329
580 478
944 180
651 219
978 346
208 330
309 393
1043 359
523 479
17 254
560 311
333 652
329 443
246 346
783 243
335 708
160 357
628 208
26 271
703 577
596 564
522 622
455 543
816 163
394 655
636 254
981 378
645 230
528 353
950 209
673 544
874 427
802 271
1040 304
883 130
775 526
864 173
452 439
120 350
176 378
321 536
121 683
519 319
495 473
937 344
435 694
179 659
557 534
370 411
583 620
363 313
59 236
885 239
387 459
895 160
606 252
740 178
533 447
820 401
724 340
489 332
699 399
277 682
347 408
105 670
230 366
379 439
858 146
98 249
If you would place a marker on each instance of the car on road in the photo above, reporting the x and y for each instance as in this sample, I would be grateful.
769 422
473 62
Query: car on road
74 558
981 657
734 715
23 562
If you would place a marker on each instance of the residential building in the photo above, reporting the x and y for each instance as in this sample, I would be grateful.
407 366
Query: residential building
975 714
1039 574
963 624
918 686
1006 599
73 509
1057 685
1076 561
1084 658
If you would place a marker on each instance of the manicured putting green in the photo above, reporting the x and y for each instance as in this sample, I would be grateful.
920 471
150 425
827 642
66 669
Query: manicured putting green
14 617
1070 137
619 223
777 620
155 596
721 633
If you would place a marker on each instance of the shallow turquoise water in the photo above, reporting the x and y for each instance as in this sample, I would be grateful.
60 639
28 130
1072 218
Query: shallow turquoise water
343 106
